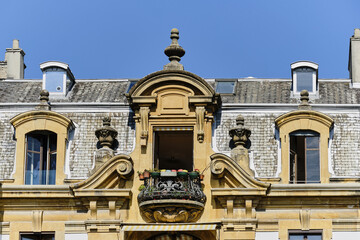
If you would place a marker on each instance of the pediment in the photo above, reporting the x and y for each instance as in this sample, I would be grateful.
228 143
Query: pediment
111 179
231 179
172 84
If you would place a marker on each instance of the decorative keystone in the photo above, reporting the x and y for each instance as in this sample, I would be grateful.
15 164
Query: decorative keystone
44 101
174 52
304 98
106 134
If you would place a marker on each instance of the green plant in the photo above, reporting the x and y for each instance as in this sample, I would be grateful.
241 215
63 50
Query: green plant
141 187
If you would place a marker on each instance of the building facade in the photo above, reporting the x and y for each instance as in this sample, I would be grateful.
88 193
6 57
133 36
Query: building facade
175 156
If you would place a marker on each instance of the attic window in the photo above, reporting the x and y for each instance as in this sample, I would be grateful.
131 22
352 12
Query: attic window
225 86
57 78
304 77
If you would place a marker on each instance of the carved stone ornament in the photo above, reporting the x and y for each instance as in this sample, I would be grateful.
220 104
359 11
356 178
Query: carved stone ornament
304 98
144 121
44 101
106 134
173 211
240 135
200 121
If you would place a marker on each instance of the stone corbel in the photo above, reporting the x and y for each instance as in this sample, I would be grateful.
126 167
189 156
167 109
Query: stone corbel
200 121
144 121
37 220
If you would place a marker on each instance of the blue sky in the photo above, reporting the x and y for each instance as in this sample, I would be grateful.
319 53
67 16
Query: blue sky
222 39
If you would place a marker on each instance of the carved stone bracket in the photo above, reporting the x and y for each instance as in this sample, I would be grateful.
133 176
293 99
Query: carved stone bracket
200 121
171 211
144 120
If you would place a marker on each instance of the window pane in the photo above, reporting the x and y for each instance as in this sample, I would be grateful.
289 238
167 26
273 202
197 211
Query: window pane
314 237
28 237
312 142
131 84
52 142
225 86
36 169
312 166
296 237
34 143
54 81
304 78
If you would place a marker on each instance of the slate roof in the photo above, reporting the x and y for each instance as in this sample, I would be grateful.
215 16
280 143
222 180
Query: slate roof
247 91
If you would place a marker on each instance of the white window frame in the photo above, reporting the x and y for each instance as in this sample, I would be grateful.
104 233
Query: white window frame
304 64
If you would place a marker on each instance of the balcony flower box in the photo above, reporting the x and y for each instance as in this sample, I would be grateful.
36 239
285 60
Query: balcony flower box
168 174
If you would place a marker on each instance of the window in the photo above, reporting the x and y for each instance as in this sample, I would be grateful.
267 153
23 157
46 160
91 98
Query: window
40 158
223 86
57 78
304 157
304 145
304 76
54 79
305 236
131 84
173 150
37 236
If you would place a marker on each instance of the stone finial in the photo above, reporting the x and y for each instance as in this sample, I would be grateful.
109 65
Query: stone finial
174 52
44 101
304 98
106 134
240 135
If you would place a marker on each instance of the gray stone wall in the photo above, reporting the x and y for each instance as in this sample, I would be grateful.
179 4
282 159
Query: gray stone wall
7 146
263 143
346 145
83 145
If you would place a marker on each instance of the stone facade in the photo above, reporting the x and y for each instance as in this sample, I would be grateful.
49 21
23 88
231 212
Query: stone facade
240 176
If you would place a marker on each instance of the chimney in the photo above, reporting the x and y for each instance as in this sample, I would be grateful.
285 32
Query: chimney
354 59
15 61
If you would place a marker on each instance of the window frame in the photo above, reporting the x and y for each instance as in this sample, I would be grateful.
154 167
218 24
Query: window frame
304 120
309 232
45 153
294 166
40 120
295 67
174 130
37 235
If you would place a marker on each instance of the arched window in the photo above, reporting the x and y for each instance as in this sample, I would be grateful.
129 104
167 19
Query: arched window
40 158
304 157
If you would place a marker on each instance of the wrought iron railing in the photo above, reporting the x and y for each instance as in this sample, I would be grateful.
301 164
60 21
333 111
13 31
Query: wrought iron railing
169 186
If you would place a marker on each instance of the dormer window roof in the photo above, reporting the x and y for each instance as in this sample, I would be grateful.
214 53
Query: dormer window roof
57 78
304 77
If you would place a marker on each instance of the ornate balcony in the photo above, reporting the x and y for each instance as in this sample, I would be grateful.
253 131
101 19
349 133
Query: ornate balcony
172 197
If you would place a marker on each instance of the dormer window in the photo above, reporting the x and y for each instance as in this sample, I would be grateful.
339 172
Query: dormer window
57 78
304 77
